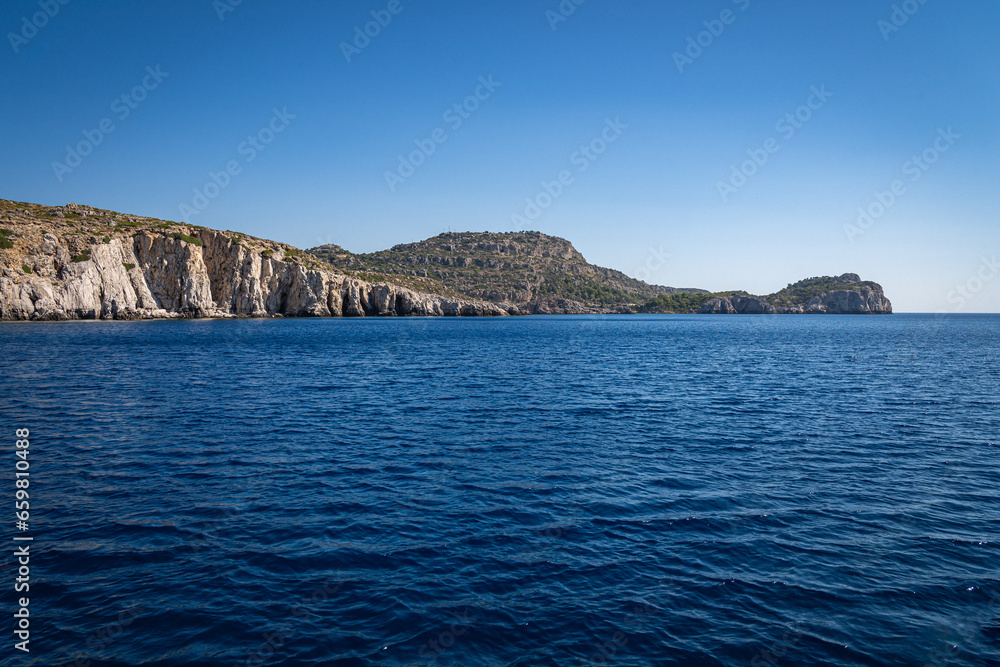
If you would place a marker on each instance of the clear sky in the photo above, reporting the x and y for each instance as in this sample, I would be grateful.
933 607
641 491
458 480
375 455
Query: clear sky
633 114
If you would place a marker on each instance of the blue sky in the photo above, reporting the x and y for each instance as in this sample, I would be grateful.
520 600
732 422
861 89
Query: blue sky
646 141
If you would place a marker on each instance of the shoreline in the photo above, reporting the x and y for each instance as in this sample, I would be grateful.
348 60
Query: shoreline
359 318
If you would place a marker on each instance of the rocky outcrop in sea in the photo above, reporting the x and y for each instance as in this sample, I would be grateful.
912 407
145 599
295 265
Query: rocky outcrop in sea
857 298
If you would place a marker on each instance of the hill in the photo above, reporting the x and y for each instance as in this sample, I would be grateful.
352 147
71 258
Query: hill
536 272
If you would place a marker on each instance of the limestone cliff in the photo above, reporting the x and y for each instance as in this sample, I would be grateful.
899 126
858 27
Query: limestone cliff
76 262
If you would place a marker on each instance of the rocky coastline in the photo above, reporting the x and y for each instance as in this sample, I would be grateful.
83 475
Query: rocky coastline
80 263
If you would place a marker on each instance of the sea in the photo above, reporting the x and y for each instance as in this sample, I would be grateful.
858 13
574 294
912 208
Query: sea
566 490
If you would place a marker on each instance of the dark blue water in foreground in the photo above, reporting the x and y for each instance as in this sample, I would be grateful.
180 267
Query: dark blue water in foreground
534 491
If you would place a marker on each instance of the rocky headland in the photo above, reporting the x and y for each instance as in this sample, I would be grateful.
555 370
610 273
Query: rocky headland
841 295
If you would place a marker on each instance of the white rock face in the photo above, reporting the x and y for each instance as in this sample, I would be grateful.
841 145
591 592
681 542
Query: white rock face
157 276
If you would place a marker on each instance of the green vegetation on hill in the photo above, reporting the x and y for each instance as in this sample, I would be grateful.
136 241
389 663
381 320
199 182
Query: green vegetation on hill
676 303
584 290
188 239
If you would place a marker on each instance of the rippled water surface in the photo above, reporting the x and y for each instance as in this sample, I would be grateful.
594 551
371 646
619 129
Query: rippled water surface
530 491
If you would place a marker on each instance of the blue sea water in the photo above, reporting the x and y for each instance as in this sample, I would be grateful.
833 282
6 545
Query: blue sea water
645 490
